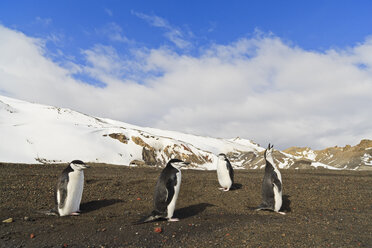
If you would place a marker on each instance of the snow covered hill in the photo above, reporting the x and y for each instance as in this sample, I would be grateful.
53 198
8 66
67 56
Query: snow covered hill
358 157
34 133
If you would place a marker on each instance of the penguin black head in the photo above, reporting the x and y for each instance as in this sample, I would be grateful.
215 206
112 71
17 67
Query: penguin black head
177 163
269 151
78 165
222 156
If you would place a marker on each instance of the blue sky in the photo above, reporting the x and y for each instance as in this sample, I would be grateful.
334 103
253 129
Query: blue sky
315 25
216 68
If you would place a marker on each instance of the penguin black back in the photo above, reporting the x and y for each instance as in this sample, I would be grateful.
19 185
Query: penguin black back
166 192
271 184
62 186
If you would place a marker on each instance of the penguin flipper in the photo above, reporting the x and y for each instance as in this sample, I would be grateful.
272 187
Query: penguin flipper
164 194
276 181
160 198
171 183
61 191
231 171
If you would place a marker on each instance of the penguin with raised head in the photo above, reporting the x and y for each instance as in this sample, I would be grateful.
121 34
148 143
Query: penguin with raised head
69 189
271 185
166 192
225 172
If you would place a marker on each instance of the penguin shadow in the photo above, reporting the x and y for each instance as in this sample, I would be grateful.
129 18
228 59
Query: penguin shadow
286 204
236 186
190 211
95 205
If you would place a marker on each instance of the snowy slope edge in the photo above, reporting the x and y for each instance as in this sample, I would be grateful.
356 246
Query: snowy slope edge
35 133
45 134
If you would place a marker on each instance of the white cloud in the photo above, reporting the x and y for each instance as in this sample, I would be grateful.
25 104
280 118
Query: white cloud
258 88
43 21
155 21
109 12
174 34
114 32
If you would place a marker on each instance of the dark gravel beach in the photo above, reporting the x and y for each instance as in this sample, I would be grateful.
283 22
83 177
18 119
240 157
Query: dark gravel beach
324 209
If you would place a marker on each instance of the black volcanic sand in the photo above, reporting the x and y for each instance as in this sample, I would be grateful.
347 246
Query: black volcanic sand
324 209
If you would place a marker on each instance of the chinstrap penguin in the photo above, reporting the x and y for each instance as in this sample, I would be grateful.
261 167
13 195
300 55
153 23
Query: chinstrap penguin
166 192
271 185
225 172
69 189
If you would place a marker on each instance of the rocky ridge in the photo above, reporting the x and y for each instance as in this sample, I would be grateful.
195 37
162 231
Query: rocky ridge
43 134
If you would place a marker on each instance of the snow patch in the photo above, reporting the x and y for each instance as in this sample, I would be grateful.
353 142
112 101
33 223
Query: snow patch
318 164
309 154
367 159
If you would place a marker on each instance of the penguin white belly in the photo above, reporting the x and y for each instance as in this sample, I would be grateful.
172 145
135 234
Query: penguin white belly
223 175
278 174
277 198
74 193
172 204
278 194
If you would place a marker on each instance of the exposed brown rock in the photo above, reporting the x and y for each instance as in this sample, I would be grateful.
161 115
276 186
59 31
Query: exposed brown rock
350 157
138 162
295 150
174 151
365 143
119 136
140 142
149 156
249 158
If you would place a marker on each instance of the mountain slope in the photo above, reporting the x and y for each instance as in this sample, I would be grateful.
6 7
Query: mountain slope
37 133
34 133
348 157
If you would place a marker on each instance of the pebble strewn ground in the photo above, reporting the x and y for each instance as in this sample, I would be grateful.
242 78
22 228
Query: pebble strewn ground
324 209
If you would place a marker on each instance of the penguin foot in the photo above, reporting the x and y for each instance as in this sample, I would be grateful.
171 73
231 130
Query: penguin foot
173 219
282 213
224 189
75 214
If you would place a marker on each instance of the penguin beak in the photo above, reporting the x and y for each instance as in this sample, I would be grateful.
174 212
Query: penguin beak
181 164
184 164
86 166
